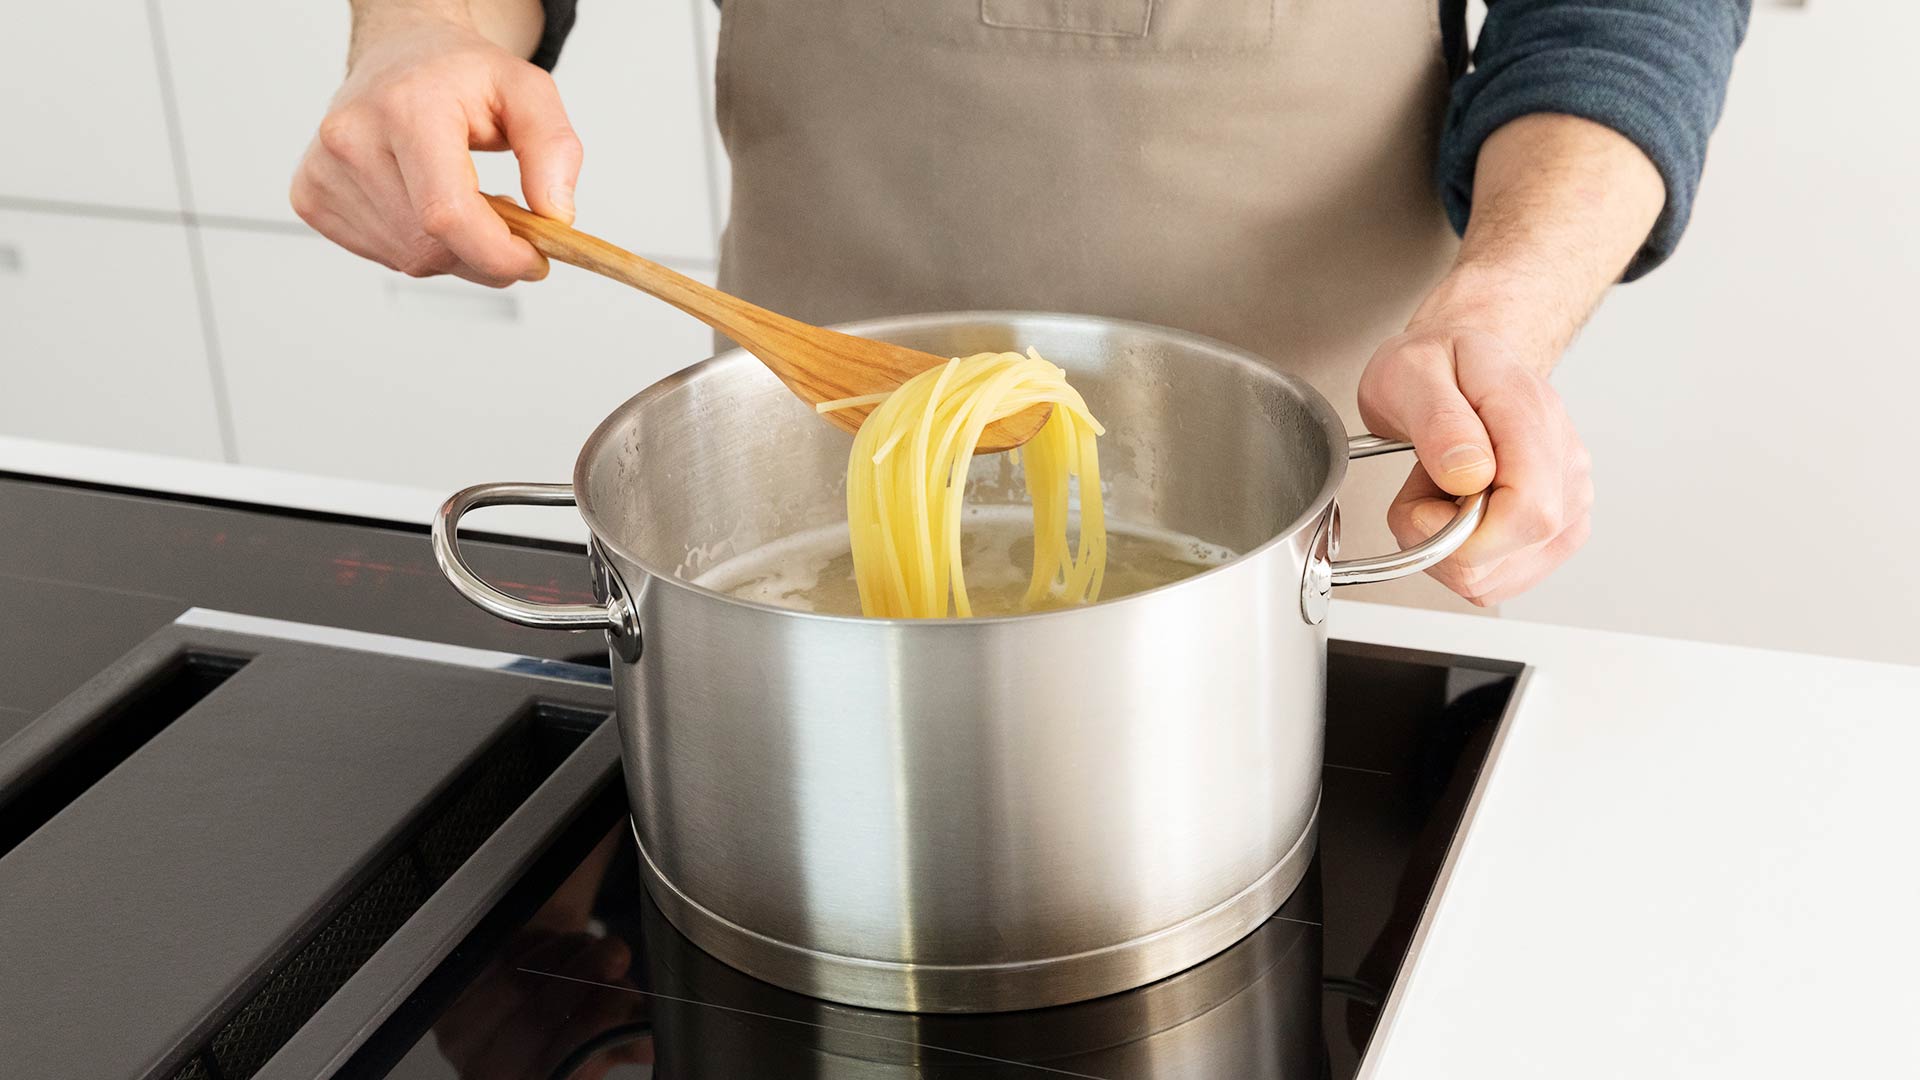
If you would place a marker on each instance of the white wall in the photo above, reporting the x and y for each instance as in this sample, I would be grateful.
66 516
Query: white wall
1751 406
1748 405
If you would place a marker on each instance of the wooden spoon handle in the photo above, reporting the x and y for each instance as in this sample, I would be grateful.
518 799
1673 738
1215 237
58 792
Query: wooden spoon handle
724 312
816 364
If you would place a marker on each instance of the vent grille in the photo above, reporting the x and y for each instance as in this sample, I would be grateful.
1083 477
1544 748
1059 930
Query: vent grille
480 799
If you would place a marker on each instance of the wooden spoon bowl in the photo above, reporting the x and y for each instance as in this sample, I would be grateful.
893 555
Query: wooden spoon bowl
816 364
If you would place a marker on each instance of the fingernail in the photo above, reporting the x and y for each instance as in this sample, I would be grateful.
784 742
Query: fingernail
1463 458
562 199
1431 519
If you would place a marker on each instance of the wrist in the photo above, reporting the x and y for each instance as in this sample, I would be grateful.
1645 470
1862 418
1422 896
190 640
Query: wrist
1560 206
1528 311
515 25
378 22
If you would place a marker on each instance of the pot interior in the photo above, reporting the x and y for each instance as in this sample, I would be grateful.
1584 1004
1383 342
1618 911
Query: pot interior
1202 440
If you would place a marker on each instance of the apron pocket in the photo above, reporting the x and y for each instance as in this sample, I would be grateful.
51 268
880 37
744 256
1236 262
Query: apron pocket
1106 18
1118 28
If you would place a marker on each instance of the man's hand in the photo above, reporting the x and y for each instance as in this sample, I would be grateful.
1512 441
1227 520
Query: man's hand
390 177
1560 206
1480 417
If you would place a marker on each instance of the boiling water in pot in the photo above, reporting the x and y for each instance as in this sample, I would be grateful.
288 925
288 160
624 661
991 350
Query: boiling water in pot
813 571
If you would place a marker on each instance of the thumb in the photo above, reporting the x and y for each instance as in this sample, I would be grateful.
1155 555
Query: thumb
543 141
1410 390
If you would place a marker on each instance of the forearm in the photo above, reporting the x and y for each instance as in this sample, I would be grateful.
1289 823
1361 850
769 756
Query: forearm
1561 205
514 25
1653 70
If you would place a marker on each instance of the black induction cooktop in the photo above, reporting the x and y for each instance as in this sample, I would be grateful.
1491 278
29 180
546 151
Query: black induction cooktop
275 802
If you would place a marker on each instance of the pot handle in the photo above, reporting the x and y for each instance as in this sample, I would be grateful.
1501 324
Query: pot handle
1428 552
1322 575
615 616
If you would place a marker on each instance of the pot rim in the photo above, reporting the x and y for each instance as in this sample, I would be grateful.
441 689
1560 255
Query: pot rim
1317 403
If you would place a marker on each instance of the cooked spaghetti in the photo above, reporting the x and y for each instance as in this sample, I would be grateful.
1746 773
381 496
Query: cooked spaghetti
907 476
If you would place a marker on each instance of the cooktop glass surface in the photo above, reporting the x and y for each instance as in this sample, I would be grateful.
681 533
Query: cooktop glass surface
573 973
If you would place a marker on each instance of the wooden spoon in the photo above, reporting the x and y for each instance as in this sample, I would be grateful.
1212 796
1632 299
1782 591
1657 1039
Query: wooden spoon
817 364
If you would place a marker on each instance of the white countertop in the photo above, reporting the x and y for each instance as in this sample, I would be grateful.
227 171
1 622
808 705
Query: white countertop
1687 859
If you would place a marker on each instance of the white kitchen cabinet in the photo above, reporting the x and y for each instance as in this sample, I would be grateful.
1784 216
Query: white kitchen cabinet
341 367
628 74
252 78
100 336
81 112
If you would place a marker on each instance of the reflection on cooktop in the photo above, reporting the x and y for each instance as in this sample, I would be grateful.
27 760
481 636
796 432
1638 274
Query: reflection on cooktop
597 979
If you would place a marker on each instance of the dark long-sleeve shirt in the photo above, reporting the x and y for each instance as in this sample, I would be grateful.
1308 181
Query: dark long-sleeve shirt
1653 70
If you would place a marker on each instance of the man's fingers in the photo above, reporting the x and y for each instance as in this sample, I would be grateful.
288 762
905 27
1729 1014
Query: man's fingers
328 200
1527 506
445 198
1420 510
1411 391
333 226
1480 419
1522 572
1527 568
542 141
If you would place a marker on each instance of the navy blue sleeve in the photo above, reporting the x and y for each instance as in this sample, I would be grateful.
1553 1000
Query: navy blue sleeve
560 16
1653 70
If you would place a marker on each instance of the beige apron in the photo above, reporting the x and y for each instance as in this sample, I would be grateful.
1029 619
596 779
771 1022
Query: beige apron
1258 171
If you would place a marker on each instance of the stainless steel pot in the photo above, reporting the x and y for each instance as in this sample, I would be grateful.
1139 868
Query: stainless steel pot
980 814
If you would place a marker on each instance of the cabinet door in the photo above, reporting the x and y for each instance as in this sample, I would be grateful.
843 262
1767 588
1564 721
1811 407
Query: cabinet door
628 76
100 337
82 120
341 367
252 79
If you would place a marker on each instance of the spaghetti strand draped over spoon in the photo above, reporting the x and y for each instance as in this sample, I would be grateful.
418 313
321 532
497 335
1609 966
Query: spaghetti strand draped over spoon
907 476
